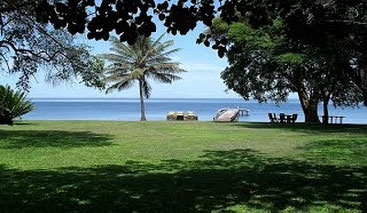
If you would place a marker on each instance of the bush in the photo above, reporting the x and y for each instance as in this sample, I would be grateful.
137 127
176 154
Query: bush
13 104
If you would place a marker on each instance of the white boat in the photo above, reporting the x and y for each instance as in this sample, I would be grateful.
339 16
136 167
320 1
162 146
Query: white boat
227 115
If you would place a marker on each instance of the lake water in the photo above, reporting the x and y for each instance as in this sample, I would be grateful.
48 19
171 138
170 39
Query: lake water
156 109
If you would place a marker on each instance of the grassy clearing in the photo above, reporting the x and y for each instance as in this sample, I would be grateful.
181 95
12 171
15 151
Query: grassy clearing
182 166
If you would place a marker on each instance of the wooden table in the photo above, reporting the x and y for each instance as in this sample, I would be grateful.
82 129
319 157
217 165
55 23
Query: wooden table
289 118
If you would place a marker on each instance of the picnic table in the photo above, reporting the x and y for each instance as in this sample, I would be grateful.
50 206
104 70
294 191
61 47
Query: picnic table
334 118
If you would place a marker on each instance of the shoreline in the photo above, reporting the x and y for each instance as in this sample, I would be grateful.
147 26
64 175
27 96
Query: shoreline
183 122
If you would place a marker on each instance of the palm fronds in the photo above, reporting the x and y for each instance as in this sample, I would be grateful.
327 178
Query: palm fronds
13 104
138 62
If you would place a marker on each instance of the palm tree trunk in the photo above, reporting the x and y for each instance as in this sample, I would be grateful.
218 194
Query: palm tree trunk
142 105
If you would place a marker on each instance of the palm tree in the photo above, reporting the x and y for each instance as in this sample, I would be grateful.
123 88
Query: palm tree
138 62
13 104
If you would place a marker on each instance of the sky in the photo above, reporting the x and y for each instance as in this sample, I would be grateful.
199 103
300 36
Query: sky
201 81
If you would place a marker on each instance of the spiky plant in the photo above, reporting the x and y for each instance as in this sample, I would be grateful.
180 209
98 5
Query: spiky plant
13 104
147 58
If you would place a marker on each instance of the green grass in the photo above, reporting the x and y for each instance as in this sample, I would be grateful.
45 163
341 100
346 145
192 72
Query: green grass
182 167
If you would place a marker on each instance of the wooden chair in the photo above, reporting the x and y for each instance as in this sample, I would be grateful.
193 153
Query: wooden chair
270 115
288 118
275 117
282 117
294 118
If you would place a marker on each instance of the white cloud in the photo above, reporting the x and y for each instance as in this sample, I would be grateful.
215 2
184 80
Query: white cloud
203 67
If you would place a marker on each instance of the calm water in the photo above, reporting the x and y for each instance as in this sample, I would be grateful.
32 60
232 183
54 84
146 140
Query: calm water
128 109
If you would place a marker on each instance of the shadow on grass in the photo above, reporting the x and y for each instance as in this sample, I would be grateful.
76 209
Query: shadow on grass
350 150
218 180
309 128
15 139
22 123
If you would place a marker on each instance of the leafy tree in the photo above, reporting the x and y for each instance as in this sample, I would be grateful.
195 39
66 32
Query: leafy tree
127 18
337 25
137 62
13 104
265 64
335 29
316 24
26 46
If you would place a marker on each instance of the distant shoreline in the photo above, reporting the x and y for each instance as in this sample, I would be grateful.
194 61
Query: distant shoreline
128 109
73 98
138 98
240 100
162 121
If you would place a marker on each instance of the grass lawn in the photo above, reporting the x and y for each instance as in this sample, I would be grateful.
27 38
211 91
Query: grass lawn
182 167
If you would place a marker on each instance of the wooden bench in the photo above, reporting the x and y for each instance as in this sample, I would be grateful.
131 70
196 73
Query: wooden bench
334 119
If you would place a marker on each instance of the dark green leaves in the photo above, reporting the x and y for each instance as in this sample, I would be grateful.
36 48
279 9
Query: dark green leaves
33 45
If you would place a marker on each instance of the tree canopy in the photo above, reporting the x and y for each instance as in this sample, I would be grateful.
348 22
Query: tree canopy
323 25
27 46
265 65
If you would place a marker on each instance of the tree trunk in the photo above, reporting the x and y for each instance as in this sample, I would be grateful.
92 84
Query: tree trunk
325 118
142 105
361 79
311 114
309 106
6 120
363 76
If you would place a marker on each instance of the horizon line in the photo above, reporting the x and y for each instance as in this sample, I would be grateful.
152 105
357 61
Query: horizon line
139 98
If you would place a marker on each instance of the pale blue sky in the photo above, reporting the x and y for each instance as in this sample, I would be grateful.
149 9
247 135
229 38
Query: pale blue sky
201 81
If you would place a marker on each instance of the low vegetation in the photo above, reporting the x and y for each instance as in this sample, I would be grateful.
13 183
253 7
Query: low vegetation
182 166
13 104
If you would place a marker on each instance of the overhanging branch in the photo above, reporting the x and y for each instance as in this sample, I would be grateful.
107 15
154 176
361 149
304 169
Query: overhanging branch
345 21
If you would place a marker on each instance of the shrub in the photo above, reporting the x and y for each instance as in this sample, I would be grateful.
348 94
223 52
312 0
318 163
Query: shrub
13 104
